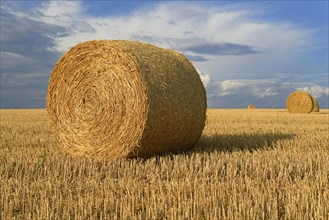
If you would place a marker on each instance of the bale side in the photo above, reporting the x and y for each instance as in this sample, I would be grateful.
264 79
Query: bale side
251 107
316 107
176 100
299 102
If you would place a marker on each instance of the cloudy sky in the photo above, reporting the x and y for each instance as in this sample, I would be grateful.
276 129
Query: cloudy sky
246 52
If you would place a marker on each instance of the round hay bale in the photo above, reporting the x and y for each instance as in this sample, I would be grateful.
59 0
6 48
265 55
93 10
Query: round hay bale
123 99
299 102
316 107
251 107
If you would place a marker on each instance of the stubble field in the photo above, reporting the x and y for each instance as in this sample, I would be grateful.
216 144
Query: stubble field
248 164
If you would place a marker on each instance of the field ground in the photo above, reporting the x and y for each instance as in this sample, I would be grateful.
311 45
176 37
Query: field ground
248 164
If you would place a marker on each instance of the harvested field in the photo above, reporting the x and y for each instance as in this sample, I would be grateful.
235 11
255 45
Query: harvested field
260 164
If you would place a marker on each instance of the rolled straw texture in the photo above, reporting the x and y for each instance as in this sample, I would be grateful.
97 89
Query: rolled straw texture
316 107
117 99
299 102
251 107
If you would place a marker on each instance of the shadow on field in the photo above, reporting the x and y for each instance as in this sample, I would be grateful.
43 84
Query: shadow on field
230 143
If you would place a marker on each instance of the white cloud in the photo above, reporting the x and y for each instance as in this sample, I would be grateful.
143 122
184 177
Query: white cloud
204 33
190 22
264 93
312 88
205 78
316 90
238 51
258 88
60 9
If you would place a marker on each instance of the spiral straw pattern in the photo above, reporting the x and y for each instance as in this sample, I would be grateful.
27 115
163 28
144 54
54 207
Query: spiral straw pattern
299 102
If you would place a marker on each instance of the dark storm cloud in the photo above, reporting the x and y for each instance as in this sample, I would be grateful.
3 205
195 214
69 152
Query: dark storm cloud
28 38
196 58
209 48
198 46
27 58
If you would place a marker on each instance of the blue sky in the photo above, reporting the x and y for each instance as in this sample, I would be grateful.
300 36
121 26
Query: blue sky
246 52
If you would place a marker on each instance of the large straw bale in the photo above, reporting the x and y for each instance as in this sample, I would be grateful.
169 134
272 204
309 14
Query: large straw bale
299 102
116 99
251 107
316 107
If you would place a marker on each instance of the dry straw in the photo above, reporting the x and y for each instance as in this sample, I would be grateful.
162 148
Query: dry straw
299 102
115 99
251 107
316 107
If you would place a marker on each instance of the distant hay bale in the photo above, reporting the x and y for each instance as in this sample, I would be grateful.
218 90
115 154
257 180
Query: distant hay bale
119 99
251 107
316 107
299 102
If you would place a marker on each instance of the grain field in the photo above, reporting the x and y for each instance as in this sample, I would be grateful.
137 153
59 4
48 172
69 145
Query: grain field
260 164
